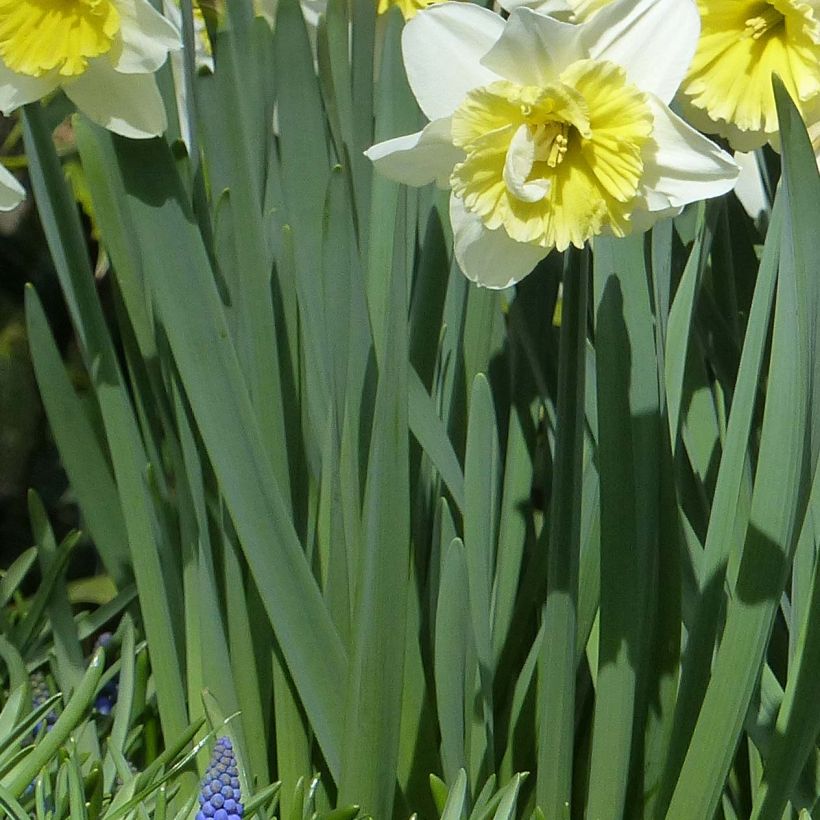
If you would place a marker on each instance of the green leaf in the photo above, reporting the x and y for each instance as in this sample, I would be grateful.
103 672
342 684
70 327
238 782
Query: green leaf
628 461
12 710
75 709
178 275
396 114
10 805
82 456
453 638
786 466
428 429
509 798
70 662
373 710
481 501
557 663
66 241
456 798
25 630
16 573
680 320
797 723
118 735
303 146
512 536
724 536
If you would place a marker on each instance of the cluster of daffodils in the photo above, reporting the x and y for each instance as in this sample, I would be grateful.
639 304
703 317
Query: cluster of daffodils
101 53
548 132
549 127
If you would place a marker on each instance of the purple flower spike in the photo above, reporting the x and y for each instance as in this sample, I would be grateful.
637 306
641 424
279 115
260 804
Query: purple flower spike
220 797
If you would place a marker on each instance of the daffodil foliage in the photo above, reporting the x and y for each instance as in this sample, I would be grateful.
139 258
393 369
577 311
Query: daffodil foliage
441 415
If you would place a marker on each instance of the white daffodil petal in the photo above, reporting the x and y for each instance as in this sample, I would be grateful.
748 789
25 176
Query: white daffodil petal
19 89
489 258
203 58
534 49
654 40
442 47
518 166
12 193
147 37
127 104
683 166
642 220
416 159
312 11
560 8
749 189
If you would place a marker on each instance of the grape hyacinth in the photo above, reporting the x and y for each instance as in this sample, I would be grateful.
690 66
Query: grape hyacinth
40 693
221 798
107 697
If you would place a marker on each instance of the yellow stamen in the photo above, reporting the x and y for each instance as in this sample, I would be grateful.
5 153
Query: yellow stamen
553 149
769 19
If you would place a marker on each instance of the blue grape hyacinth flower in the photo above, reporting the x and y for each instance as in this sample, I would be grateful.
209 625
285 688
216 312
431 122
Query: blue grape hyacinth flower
107 697
221 797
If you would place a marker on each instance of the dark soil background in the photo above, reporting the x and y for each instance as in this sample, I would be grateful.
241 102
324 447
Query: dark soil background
28 457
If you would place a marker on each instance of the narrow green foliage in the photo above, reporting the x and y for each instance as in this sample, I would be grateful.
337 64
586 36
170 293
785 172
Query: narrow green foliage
417 548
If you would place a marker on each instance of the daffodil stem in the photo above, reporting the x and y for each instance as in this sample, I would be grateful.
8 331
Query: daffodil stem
557 660
64 232
189 66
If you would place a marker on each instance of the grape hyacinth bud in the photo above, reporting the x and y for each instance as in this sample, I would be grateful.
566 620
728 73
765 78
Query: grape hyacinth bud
40 693
107 697
103 639
221 798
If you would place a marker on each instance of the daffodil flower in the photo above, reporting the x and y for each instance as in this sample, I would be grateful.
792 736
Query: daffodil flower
547 133
728 88
729 85
102 53
12 192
